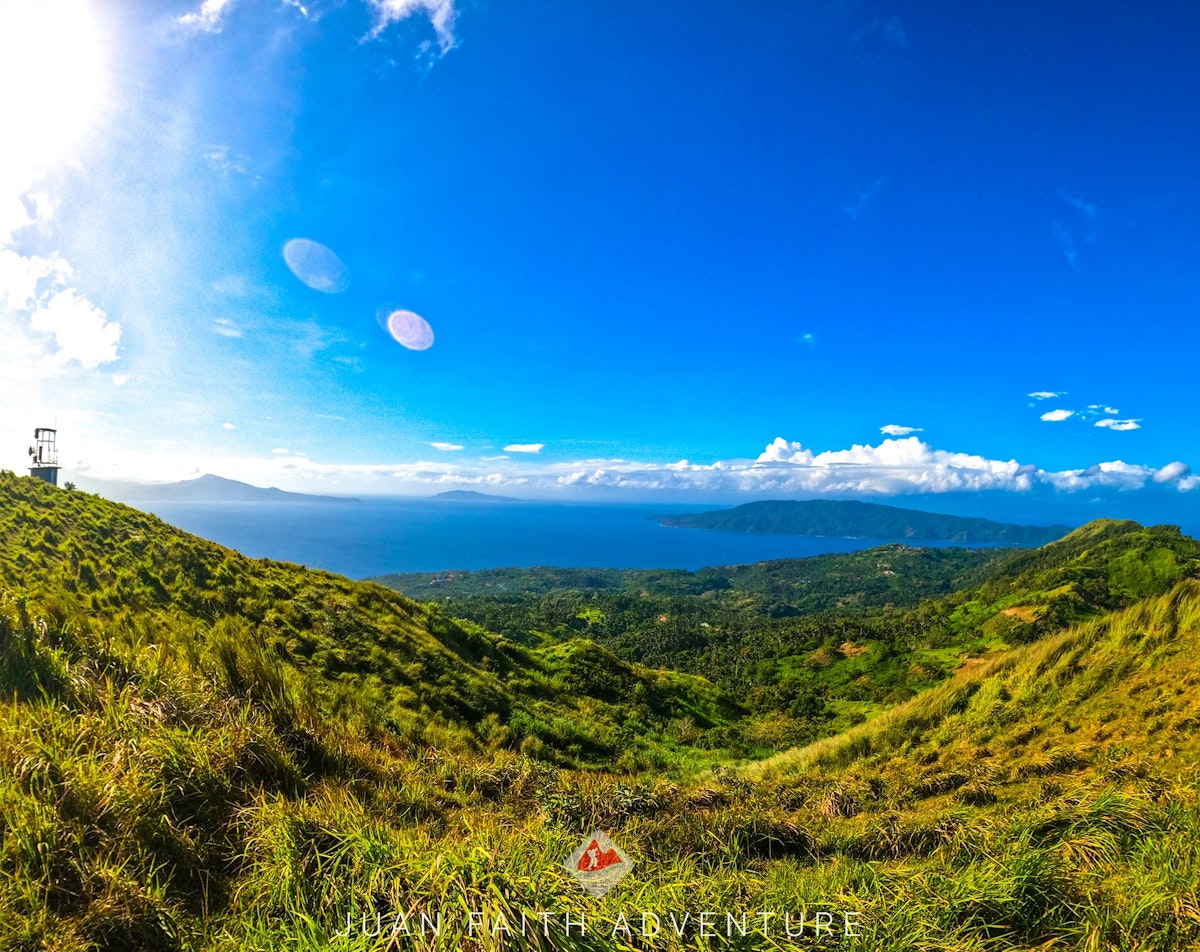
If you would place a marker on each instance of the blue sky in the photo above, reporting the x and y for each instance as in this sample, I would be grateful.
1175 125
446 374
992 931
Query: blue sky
821 247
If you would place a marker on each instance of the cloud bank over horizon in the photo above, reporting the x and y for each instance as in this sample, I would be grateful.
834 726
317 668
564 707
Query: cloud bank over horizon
895 467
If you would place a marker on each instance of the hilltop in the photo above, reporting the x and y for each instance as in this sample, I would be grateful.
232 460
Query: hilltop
862 520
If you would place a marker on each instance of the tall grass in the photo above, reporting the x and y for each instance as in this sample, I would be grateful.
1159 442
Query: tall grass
171 782
152 804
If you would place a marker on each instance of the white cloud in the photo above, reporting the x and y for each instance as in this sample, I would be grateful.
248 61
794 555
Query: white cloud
226 328
280 449
441 13
81 330
33 291
208 17
1054 416
308 338
226 163
1111 424
1112 475
21 276
1172 471
894 429
524 447
232 285
808 339
446 447
1047 394
228 426
899 465
299 7
781 451
894 467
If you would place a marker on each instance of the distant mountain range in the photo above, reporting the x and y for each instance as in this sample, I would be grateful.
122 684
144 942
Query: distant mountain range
826 517
202 489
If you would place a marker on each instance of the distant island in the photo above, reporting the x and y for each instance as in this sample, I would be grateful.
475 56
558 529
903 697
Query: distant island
206 488
852 519
470 495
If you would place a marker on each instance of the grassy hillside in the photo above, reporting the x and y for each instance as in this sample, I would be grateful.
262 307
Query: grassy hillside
170 779
1052 791
1127 677
365 651
1103 565
813 646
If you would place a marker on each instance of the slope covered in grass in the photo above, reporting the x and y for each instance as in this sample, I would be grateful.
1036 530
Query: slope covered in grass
364 649
1125 688
151 803
169 780
1098 567
1052 791
812 646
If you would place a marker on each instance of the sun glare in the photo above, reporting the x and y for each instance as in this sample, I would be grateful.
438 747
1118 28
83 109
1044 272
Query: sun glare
53 80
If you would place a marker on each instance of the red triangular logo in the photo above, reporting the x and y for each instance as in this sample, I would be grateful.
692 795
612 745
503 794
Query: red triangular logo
594 858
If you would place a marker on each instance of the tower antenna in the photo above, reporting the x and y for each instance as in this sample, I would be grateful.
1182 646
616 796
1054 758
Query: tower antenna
43 455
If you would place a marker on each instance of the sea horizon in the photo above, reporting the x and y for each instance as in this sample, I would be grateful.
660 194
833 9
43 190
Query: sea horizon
384 536
367 536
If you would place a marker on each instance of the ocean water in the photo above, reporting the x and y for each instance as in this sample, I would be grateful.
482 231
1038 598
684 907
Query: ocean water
378 536
361 538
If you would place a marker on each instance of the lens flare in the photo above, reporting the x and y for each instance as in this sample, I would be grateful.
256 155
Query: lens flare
409 329
316 266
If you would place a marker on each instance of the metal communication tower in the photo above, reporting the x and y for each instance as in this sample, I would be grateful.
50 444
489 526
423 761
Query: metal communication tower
43 455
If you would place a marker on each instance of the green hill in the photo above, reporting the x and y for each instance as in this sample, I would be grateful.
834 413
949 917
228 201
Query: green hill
1103 565
204 752
1091 687
362 648
894 574
1047 798
812 646
861 520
